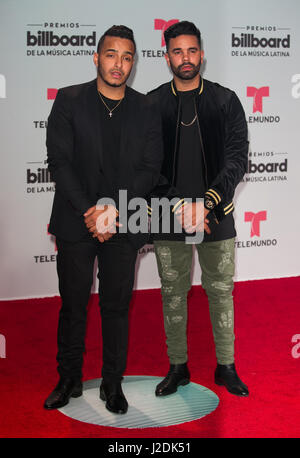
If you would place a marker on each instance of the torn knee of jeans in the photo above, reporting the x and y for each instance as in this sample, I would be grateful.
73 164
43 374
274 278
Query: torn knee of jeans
226 320
170 275
226 259
174 302
166 289
177 319
221 286
165 256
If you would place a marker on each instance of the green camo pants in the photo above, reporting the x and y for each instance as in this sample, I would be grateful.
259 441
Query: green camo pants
216 259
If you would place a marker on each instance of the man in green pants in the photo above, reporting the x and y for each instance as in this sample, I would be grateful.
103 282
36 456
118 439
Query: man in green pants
205 157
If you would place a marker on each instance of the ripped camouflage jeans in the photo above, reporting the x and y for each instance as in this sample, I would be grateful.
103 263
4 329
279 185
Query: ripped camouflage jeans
174 260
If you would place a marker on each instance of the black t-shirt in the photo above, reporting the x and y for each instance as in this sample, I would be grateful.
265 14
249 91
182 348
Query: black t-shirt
111 134
189 179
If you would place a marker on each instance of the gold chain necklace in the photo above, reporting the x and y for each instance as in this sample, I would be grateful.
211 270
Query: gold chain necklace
200 92
189 123
109 109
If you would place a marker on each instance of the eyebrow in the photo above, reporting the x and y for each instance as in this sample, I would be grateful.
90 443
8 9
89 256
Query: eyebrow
114 50
180 49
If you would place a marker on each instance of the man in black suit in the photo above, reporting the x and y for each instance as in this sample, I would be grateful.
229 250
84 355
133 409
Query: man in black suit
102 137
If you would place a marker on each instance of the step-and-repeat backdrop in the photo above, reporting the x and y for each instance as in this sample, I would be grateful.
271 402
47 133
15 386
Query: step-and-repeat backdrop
252 47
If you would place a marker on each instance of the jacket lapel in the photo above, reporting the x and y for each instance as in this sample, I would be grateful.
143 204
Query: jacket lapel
127 123
94 110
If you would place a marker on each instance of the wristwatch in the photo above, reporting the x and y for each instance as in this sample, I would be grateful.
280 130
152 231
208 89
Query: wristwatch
209 203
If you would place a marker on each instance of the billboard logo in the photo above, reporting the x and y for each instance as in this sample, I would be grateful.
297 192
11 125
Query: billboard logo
249 40
255 219
161 24
260 41
60 38
51 93
45 38
258 94
270 167
263 167
2 87
41 175
39 180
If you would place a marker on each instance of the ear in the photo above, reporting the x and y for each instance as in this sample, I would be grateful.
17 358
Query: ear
95 58
202 56
167 59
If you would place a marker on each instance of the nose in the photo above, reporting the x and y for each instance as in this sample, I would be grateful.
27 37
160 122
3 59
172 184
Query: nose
118 62
185 56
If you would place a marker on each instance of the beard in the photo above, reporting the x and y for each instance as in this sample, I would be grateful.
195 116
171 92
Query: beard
186 74
102 76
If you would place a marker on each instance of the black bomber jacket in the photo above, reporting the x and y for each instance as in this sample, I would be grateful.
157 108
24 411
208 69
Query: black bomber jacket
223 138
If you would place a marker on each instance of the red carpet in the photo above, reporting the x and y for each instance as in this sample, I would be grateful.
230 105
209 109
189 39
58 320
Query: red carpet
267 317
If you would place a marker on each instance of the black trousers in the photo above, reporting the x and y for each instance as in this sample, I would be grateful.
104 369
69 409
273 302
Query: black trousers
75 268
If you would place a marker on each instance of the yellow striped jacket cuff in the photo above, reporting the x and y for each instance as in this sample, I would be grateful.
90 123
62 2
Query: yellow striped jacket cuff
178 205
229 208
214 195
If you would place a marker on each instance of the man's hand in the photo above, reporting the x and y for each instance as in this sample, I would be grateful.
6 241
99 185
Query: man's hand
101 221
192 217
103 237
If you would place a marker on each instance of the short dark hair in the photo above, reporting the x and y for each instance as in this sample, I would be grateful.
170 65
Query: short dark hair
120 31
181 28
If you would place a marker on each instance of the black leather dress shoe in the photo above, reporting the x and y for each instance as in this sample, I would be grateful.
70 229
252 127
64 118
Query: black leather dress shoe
113 395
61 394
226 375
177 375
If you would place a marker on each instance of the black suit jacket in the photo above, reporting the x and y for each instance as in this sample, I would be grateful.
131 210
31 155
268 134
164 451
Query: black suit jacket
75 155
